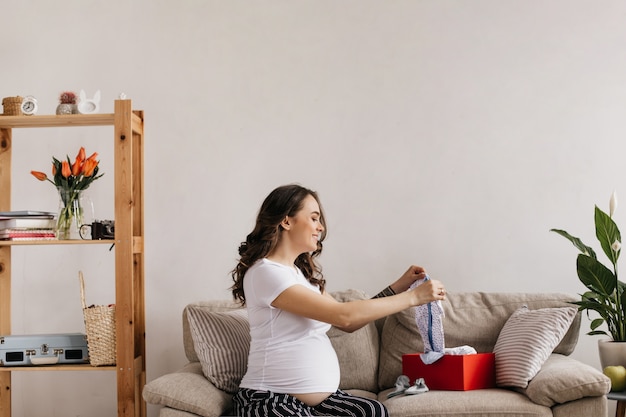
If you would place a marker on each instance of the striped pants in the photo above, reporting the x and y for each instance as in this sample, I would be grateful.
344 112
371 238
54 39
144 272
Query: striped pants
252 403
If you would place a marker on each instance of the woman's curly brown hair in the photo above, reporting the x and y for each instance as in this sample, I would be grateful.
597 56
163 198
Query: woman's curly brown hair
283 201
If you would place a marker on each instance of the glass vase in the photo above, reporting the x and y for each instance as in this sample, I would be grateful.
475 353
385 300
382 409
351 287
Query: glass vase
75 208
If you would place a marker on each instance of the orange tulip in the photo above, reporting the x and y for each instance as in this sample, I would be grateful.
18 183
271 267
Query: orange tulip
89 166
76 167
65 169
39 175
78 174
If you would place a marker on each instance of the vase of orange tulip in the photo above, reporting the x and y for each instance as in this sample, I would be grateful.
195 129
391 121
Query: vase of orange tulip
71 180
74 207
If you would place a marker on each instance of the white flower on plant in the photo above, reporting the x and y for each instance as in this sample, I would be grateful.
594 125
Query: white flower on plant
616 246
613 204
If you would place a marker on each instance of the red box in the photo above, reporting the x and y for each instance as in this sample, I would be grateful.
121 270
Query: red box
453 372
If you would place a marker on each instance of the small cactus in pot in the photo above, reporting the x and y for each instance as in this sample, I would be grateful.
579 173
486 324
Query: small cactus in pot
67 103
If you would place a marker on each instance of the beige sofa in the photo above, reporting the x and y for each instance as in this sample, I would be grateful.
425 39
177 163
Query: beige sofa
216 346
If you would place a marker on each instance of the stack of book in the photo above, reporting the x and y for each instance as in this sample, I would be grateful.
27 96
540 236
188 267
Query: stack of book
27 225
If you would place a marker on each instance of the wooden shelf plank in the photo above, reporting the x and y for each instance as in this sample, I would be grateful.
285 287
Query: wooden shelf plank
68 120
75 367
54 242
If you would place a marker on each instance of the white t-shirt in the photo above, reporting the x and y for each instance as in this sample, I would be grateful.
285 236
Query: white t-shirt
288 353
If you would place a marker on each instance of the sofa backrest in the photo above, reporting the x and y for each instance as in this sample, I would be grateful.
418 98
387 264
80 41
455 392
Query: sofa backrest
471 318
486 313
357 352
371 358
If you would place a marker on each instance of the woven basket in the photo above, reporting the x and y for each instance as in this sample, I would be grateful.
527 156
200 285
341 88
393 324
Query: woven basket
100 330
12 106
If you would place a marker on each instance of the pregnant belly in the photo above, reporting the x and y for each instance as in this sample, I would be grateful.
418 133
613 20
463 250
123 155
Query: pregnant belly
312 398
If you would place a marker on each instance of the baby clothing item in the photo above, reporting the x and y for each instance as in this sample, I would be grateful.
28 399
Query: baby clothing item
418 388
403 386
429 320
402 383
460 350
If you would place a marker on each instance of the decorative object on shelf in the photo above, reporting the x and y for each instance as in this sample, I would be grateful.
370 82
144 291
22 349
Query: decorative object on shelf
27 225
29 105
98 230
71 180
67 103
75 208
12 106
606 293
88 105
100 330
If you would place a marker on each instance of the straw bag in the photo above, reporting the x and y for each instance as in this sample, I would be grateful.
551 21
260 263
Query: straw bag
12 106
100 329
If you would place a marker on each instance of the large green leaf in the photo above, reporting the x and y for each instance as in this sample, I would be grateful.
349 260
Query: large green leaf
595 276
576 242
607 233
596 323
593 305
606 310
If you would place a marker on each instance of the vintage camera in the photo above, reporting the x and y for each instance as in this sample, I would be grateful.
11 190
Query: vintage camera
100 230
103 229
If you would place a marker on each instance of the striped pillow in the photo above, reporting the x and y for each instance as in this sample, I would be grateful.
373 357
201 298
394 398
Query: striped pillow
222 343
527 340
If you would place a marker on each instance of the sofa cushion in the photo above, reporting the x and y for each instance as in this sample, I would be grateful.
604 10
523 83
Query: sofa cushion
526 340
562 379
357 352
465 324
493 402
222 343
188 390
585 407
172 412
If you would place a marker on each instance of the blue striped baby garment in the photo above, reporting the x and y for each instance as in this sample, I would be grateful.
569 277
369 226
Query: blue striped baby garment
429 320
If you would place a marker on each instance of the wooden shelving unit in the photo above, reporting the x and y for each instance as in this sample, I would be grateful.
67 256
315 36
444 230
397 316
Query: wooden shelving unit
129 251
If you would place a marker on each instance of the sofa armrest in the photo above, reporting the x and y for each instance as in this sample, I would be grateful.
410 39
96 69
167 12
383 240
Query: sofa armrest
562 379
188 390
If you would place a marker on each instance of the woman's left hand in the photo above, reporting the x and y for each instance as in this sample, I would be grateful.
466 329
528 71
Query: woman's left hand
408 278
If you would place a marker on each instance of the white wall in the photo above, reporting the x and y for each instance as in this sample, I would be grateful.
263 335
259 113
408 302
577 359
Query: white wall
451 134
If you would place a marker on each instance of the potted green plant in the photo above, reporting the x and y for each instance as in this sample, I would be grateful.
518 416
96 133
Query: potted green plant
605 293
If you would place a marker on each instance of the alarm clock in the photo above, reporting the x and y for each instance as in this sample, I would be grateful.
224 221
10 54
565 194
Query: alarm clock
88 105
29 105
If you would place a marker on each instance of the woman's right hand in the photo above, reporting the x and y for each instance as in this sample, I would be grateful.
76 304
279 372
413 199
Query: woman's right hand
427 291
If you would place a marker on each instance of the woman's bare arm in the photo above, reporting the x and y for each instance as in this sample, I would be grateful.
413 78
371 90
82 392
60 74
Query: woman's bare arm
353 315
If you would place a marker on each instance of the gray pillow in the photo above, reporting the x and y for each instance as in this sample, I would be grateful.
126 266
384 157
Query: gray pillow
562 379
188 390
222 343
527 340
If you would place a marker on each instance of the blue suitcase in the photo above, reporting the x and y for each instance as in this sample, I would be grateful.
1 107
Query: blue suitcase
43 349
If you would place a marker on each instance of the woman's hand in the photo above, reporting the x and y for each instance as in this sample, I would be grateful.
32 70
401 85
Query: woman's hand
408 278
431 290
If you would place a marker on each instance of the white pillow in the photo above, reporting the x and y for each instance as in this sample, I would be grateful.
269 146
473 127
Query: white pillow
526 340
222 343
